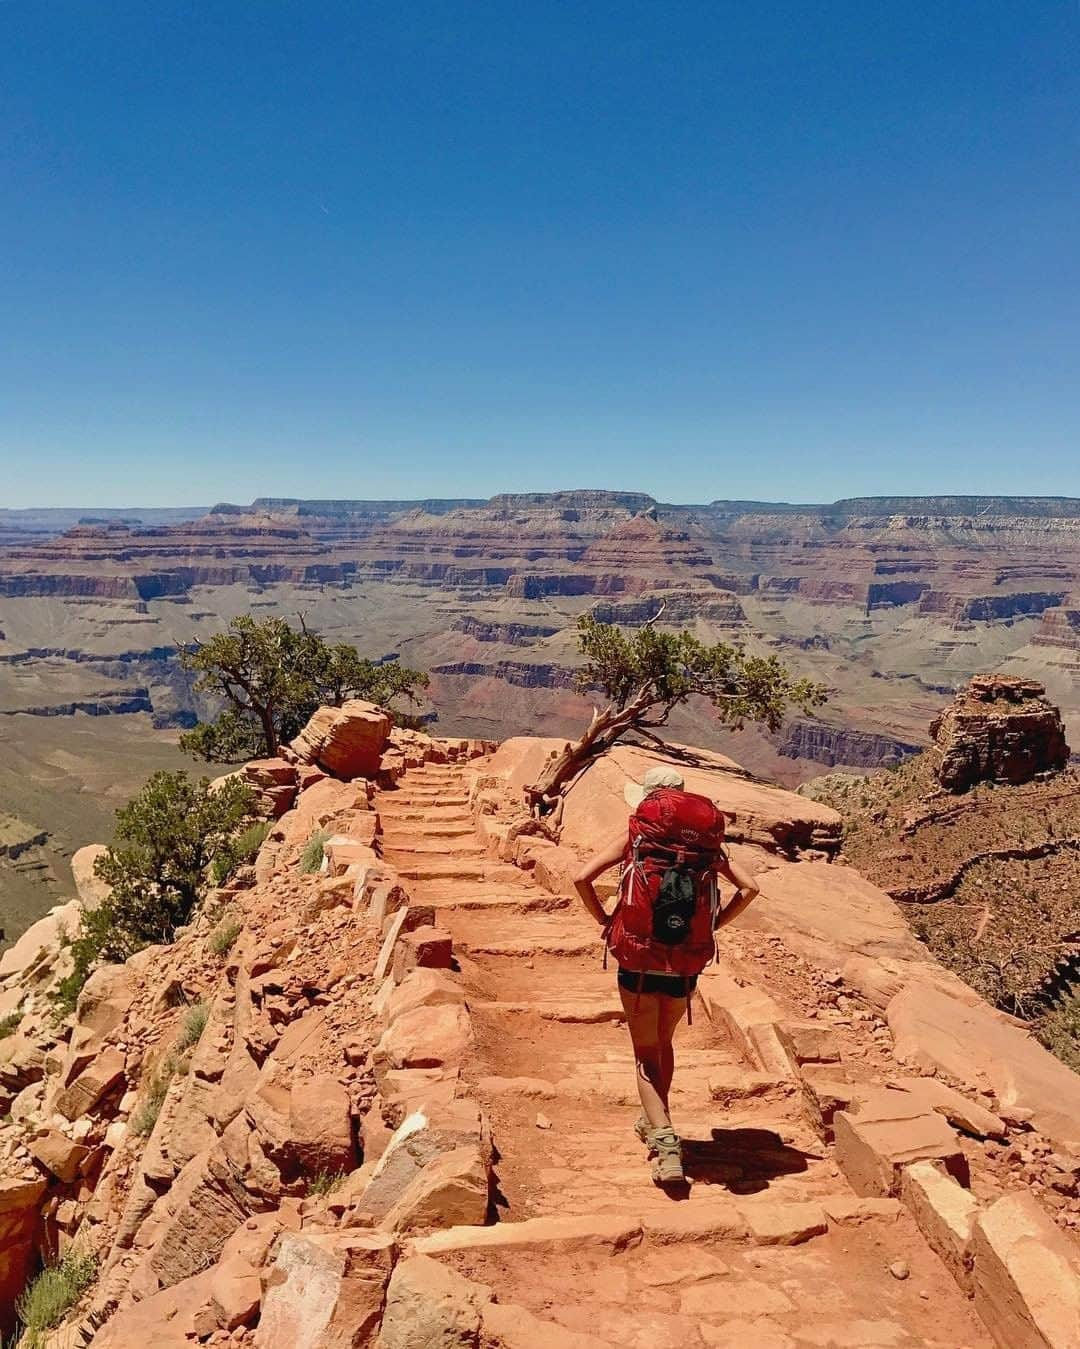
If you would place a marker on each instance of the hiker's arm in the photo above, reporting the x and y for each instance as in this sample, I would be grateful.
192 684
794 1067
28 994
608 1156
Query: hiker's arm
596 866
745 893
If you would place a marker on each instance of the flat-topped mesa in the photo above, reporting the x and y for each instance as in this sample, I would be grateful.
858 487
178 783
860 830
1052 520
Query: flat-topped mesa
998 729
585 499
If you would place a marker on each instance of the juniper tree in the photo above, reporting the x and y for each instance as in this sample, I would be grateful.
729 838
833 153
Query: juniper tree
644 676
272 677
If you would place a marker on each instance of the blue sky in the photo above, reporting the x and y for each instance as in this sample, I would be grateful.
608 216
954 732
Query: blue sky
785 249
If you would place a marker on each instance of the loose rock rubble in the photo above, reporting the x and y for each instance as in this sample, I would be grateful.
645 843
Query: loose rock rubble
352 1151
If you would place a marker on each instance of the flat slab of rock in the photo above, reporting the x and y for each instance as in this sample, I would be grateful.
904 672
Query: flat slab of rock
604 1233
773 1224
971 1043
874 1146
967 1115
1027 1276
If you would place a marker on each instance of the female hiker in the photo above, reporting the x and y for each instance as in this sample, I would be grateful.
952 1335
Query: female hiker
661 932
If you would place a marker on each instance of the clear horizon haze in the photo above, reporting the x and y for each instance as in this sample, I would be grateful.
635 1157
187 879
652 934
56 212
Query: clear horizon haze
783 251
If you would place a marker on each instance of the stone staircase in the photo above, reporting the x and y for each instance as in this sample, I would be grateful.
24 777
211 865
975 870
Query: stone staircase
767 1246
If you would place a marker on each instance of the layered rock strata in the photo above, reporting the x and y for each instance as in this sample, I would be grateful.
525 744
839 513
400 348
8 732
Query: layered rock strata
999 729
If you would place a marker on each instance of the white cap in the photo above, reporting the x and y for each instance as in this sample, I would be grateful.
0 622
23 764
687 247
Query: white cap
662 775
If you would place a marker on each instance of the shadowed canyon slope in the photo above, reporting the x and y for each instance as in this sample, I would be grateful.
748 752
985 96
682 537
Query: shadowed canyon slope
892 602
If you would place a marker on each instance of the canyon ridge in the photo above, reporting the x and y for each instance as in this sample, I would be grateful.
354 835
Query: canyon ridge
892 602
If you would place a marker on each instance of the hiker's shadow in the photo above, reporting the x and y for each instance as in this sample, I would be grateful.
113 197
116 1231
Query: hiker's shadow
744 1161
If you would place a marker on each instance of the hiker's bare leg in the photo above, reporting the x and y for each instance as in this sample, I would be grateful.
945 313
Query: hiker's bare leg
672 1011
643 1021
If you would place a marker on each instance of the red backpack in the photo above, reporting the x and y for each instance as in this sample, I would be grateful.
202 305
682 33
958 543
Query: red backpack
664 919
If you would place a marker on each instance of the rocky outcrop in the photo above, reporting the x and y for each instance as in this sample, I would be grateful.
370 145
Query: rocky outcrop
805 738
345 741
510 634
999 729
1060 628
119 702
524 674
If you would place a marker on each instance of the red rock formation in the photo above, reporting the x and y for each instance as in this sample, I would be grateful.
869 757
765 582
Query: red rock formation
346 741
999 729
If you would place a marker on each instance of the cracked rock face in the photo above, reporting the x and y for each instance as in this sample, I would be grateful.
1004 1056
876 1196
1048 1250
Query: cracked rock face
998 729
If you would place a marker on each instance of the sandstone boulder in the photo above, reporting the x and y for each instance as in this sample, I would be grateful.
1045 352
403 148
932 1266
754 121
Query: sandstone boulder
19 1200
274 782
998 729
430 1306
235 1283
345 741
40 943
303 1123
422 988
104 1001
169 1319
594 808
424 1135
90 888
325 1291
427 1037
59 1154
97 1079
452 1190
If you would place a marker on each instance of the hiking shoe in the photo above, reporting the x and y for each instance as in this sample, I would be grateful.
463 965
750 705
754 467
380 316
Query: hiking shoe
667 1167
643 1131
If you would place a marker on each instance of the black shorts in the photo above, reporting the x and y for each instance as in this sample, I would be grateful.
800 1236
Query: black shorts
671 985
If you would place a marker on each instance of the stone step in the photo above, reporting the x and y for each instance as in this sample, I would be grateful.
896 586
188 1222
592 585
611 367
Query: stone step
433 795
494 898
405 833
426 815
579 1011
423 846
561 932
526 948
446 869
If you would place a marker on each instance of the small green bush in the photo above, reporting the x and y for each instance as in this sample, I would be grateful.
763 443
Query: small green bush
249 842
146 1115
223 936
325 1182
52 1294
1059 1030
85 953
194 1024
311 859
9 1024
238 851
166 838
